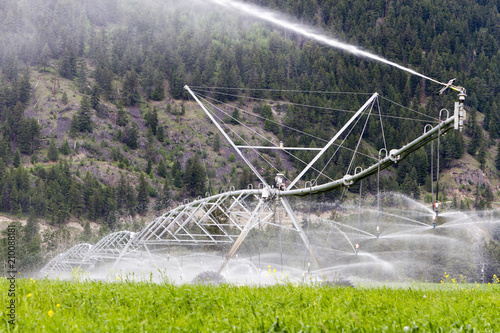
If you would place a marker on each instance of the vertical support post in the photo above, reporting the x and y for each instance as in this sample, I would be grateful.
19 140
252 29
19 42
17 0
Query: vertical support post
299 228
378 187
248 226
432 175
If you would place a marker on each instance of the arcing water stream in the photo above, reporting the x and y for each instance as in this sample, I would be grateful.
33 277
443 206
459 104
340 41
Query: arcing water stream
301 29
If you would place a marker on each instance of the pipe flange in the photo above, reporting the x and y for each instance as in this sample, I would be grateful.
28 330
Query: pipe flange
392 155
347 180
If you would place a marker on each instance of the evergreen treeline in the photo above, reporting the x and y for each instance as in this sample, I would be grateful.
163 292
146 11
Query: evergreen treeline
129 52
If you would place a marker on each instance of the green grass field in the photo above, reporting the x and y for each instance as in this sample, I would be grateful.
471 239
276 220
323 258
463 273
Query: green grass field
92 306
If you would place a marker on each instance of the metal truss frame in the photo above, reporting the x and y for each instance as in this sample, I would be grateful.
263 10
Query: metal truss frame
67 261
109 247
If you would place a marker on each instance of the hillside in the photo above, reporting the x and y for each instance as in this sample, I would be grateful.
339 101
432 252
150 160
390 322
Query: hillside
99 135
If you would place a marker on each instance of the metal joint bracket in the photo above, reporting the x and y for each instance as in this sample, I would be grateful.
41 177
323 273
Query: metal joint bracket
347 180
392 155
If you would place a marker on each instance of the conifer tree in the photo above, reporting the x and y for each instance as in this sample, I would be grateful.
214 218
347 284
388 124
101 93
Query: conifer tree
52 153
25 87
160 134
17 159
142 195
216 143
130 94
177 174
149 167
64 98
65 150
162 169
497 158
194 176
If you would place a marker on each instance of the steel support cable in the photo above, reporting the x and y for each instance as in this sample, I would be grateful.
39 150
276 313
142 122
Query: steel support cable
206 98
282 102
333 109
279 124
341 144
262 118
320 172
381 124
404 107
286 90
255 150
359 141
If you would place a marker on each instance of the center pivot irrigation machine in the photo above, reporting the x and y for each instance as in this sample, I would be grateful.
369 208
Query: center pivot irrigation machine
227 218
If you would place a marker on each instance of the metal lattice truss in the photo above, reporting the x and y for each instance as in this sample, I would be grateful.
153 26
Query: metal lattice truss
214 220
109 247
67 261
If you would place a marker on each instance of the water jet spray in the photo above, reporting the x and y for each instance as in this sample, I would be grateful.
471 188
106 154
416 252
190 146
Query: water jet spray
306 31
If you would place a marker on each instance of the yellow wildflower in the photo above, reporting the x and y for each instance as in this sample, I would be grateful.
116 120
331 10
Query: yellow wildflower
29 295
58 305
50 313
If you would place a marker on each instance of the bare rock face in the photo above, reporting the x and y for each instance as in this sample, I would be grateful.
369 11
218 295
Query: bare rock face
209 277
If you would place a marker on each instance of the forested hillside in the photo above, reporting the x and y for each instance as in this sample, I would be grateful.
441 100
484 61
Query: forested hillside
96 126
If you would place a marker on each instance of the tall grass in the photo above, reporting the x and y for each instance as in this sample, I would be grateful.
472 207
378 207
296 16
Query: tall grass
96 306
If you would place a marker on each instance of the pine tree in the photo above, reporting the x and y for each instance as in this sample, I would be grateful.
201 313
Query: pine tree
95 98
87 231
160 134
65 148
67 66
149 167
131 136
82 121
177 174
152 120
475 133
216 144
52 153
235 117
194 176
497 158
17 159
130 95
122 116
25 87
142 195
44 57
481 157
162 169
64 98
